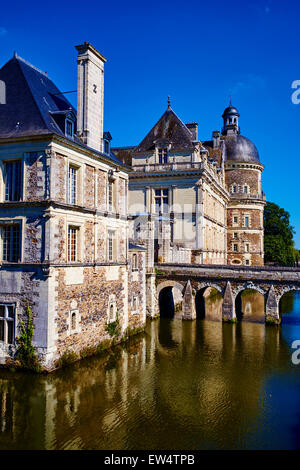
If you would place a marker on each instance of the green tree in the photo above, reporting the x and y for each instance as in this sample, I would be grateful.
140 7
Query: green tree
278 239
26 352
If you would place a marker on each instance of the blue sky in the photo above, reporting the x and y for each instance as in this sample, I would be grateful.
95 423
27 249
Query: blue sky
196 52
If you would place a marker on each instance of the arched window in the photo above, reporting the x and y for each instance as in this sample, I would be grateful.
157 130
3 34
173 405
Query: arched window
73 321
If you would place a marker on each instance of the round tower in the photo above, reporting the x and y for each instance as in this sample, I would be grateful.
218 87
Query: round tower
245 234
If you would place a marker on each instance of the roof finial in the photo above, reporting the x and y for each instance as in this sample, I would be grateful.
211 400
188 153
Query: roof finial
230 96
169 103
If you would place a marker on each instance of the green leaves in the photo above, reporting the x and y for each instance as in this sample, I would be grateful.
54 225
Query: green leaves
26 353
278 238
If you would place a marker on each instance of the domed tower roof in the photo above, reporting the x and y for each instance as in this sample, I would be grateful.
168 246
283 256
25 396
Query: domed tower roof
240 149
230 111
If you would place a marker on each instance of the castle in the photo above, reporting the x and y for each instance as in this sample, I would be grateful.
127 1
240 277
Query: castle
204 198
82 224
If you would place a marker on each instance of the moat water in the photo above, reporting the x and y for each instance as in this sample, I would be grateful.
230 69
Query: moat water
181 385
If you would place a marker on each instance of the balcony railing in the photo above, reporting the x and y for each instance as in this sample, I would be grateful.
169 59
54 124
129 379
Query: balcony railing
177 166
261 197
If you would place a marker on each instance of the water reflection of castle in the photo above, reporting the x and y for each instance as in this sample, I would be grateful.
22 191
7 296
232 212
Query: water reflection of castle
177 385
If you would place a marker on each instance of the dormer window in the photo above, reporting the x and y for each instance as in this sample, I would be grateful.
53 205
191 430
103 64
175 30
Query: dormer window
163 156
106 146
106 142
69 128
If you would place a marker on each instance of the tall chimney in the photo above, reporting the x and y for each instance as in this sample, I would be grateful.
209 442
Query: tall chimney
193 127
90 96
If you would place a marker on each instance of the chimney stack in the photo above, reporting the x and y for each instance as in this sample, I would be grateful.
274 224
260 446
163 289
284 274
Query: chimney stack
90 96
193 127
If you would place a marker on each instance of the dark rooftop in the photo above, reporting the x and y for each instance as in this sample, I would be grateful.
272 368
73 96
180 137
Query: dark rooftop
169 129
34 105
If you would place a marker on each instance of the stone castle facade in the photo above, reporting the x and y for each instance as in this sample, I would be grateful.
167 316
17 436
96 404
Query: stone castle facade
63 216
201 199
82 225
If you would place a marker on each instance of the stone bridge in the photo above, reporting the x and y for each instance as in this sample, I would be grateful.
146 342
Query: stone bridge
229 281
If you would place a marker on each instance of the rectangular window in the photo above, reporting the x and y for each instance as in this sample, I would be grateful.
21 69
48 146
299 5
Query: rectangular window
7 323
110 245
163 156
110 196
235 247
134 262
72 243
106 146
235 220
11 243
69 128
247 247
12 180
235 235
161 200
246 221
72 184
247 262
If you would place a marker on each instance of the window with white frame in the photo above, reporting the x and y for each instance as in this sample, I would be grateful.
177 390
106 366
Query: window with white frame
234 188
161 200
134 262
110 195
7 323
112 309
246 221
12 181
235 220
247 247
235 247
135 303
73 320
69 129
110 245
11 242
73 181
73 243
245 189
163 156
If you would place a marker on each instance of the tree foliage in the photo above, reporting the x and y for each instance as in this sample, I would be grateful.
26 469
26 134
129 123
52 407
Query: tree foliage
278 237
26 352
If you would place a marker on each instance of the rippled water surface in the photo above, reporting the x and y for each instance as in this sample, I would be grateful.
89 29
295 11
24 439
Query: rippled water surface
182 385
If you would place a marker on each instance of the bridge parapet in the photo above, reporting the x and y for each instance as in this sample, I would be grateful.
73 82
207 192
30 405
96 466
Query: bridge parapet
230 281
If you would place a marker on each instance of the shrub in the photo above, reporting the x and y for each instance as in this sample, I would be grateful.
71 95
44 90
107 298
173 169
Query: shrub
26 352
67 359
113 328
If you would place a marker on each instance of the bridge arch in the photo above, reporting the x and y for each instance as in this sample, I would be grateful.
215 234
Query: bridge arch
287 289
250 303
209 301
286 302
170 297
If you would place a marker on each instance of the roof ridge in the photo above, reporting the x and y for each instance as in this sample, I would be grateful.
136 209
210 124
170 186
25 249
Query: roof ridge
30 91
30 65
181 121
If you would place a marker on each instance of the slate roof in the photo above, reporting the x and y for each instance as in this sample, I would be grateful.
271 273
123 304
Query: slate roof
33 104
133 247
170 129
